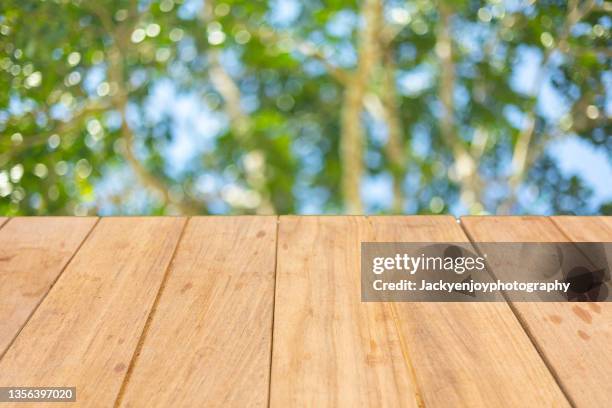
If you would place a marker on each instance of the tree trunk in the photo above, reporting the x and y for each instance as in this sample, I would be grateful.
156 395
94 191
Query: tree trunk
352 131
465 166
395 144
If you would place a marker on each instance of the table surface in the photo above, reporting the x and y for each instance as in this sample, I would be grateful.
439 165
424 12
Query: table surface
266 310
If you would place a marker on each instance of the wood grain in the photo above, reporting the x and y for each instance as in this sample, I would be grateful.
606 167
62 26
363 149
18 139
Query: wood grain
85 331
330 349
575 339
209 341
33 252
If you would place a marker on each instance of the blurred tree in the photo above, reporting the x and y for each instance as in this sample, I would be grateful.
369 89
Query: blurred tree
450 101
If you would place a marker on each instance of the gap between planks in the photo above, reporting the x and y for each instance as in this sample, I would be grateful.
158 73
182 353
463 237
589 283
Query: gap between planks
523 323
273 310
560 329
145 329
68 262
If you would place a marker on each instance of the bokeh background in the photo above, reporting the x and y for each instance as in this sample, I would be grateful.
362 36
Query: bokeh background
287 106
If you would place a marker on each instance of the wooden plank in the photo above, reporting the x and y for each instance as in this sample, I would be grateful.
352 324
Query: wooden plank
33 253
573 338
331 349
591 376
85 331
209 341
585 229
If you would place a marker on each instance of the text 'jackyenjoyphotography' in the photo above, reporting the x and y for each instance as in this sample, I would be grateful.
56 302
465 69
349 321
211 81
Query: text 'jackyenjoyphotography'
485 271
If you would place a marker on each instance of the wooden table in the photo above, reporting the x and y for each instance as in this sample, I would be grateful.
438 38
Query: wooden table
256 311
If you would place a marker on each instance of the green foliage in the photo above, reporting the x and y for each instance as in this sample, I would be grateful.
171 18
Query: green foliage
81 81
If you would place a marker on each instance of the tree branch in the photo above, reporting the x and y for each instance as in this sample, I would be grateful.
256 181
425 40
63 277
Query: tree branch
240 123
395 144
352 132
186 206
229 91
522 154
120 38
